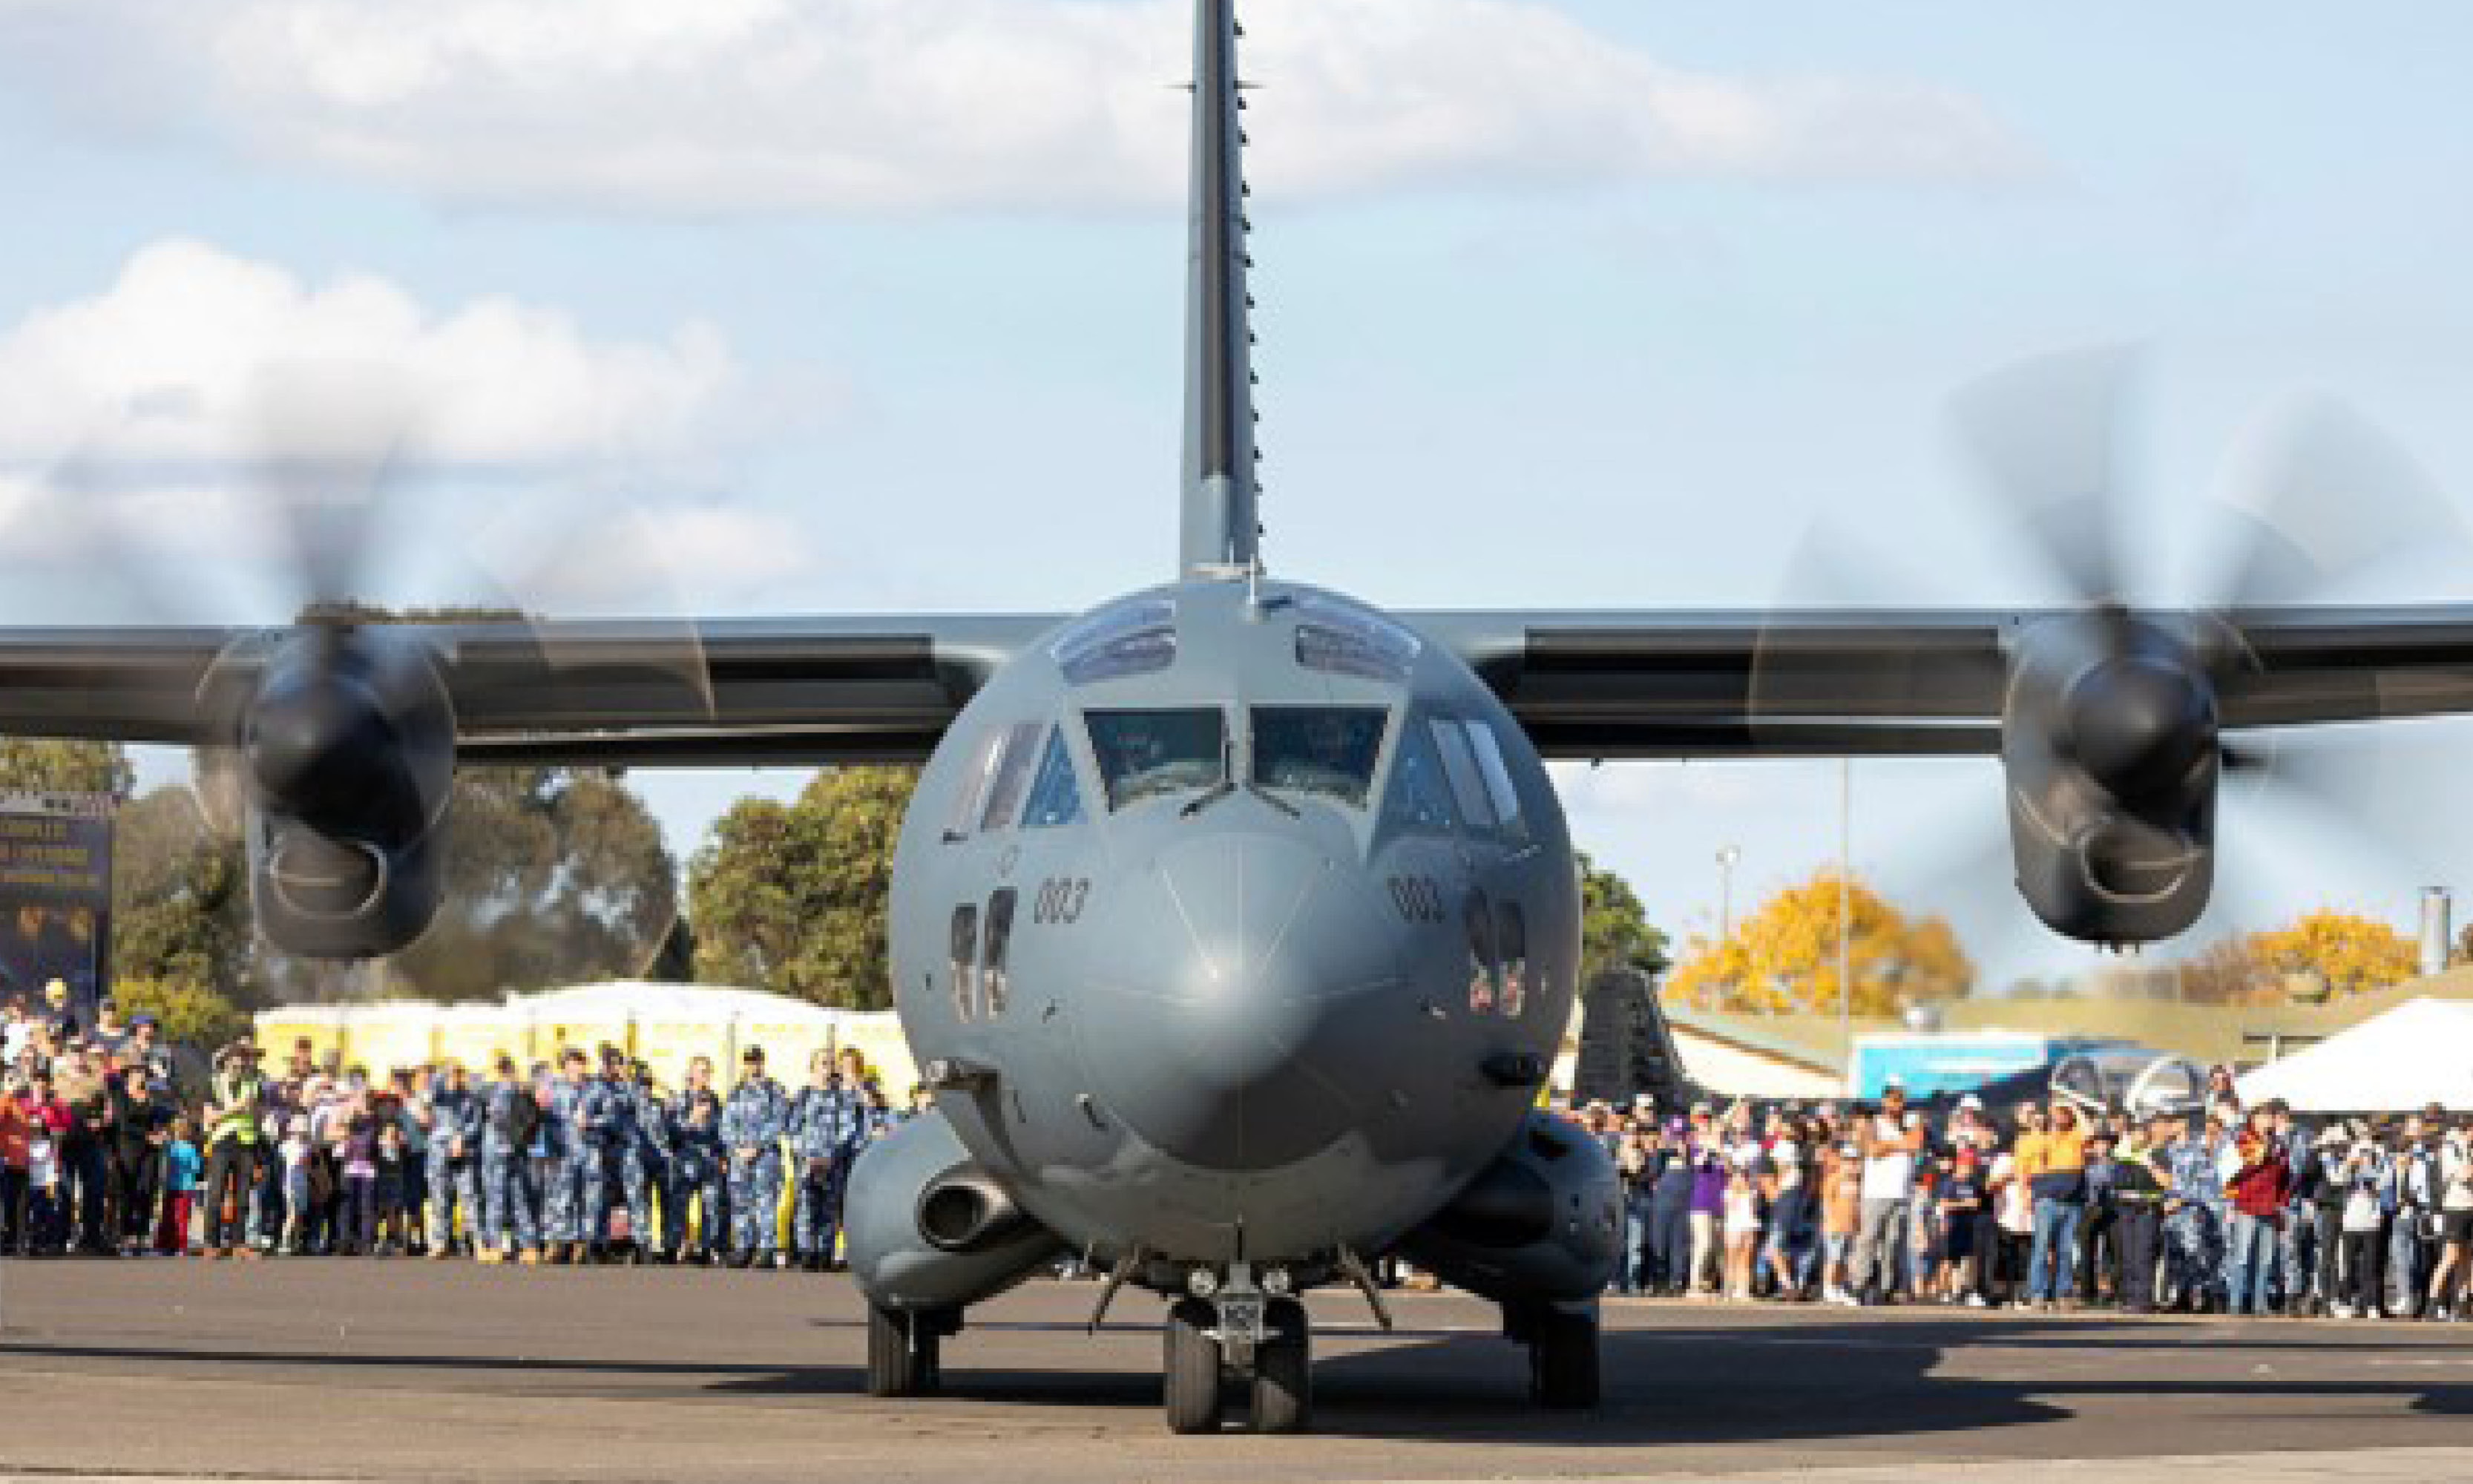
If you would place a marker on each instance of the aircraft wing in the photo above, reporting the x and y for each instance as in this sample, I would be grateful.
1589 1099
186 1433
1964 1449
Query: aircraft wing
1925 683
693 692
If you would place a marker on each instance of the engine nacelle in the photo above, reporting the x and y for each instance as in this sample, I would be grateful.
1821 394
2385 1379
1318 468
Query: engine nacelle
928 1230
2111 745
1541 1224
346 751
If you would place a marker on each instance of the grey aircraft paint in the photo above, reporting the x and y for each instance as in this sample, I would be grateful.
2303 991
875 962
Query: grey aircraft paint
1235 925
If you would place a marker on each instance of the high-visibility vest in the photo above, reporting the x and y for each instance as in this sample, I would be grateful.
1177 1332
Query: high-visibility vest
236 1100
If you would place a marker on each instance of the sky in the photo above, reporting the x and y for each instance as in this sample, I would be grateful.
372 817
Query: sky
746 306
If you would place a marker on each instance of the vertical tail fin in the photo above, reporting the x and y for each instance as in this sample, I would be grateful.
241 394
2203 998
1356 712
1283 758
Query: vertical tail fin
1222 523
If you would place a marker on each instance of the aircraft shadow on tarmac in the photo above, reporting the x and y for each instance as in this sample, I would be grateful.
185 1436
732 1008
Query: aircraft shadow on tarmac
1706 1384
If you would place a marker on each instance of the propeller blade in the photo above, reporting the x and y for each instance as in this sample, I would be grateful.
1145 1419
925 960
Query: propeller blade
2047 439
2322 497
335 440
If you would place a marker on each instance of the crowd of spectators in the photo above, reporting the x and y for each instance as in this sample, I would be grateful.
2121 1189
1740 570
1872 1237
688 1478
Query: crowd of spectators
2215 1209
105 1152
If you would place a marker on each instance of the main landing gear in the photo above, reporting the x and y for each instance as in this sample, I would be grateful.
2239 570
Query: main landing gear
1562 1343
1264 1346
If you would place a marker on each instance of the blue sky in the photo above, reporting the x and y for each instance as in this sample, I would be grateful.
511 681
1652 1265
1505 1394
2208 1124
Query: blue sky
1565 303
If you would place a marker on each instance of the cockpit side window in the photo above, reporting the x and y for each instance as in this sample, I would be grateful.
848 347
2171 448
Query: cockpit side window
1499 790
1419 797
1009 774
1460 768
1143 755
1324 749
1055 795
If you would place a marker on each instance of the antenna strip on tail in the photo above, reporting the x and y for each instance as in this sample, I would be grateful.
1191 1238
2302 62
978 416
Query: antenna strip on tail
1221 522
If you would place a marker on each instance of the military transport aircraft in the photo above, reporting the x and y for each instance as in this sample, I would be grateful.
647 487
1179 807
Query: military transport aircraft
1236 921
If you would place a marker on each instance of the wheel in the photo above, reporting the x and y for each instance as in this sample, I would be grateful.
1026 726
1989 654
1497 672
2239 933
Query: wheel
901 1353
1192 1370
1563 1361
1284 1371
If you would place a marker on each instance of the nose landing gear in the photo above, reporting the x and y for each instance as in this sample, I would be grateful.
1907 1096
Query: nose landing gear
1264 1344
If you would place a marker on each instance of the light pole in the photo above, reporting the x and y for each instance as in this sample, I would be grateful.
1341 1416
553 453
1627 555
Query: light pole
1727 856
1846 914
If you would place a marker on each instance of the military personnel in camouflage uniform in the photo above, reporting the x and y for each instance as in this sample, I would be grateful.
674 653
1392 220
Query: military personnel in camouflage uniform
563 1208
823 1127
696 1164
598 1109
620 1140
653 1157
454 1141
2193 1227
506 1167
752 1122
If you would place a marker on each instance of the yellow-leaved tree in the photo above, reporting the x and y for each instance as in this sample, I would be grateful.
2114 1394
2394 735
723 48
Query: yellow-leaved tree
2336 953
1784 957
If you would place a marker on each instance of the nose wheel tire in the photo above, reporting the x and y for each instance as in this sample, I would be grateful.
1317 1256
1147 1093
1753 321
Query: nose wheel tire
1563 1361
1192 1372
1284 1372
901 1353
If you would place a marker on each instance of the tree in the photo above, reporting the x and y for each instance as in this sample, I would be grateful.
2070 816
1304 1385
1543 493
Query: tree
793 898
2326 952
1783 958
1614 931
180 897
553 875
191 1014
74 767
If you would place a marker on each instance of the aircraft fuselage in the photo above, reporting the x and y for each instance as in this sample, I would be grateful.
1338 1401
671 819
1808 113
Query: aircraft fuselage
1238 924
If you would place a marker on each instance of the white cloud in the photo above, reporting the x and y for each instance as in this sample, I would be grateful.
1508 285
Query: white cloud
720 105
173 421
179 359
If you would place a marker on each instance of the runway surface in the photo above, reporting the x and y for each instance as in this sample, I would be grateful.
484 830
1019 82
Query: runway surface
346 1370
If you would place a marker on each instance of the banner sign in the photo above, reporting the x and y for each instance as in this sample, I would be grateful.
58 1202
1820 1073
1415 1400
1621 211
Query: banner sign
54 896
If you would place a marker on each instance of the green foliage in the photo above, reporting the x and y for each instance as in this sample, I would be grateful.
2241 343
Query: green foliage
180 897
554 877
1614 931
192 1014
76 767
793 898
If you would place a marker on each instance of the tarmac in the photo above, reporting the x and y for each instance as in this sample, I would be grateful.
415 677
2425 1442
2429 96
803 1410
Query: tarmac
342 1370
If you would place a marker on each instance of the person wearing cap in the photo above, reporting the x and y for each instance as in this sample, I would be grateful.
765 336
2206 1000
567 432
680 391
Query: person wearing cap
623 1154
564 1201
452 1150
698 1161
141 1124
508 1122
751 1125
653 1155
234 1101
59 1019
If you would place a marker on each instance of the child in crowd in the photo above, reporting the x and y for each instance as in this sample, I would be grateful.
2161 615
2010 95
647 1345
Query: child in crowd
357 1162
46 1219
393 1231
1742 1219
181 1167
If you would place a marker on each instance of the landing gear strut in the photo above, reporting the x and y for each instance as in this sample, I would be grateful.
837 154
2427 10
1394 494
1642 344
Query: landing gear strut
904 1351
1265 1345
1562 1355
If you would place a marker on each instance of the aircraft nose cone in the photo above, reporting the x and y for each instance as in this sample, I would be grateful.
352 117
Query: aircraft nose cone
1234 1028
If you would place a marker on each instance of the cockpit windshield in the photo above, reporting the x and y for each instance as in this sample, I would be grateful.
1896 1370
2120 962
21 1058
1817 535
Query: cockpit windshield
1324 749
1146 753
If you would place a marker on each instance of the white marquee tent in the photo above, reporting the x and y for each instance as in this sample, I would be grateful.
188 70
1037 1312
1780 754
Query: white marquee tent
2421 1052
